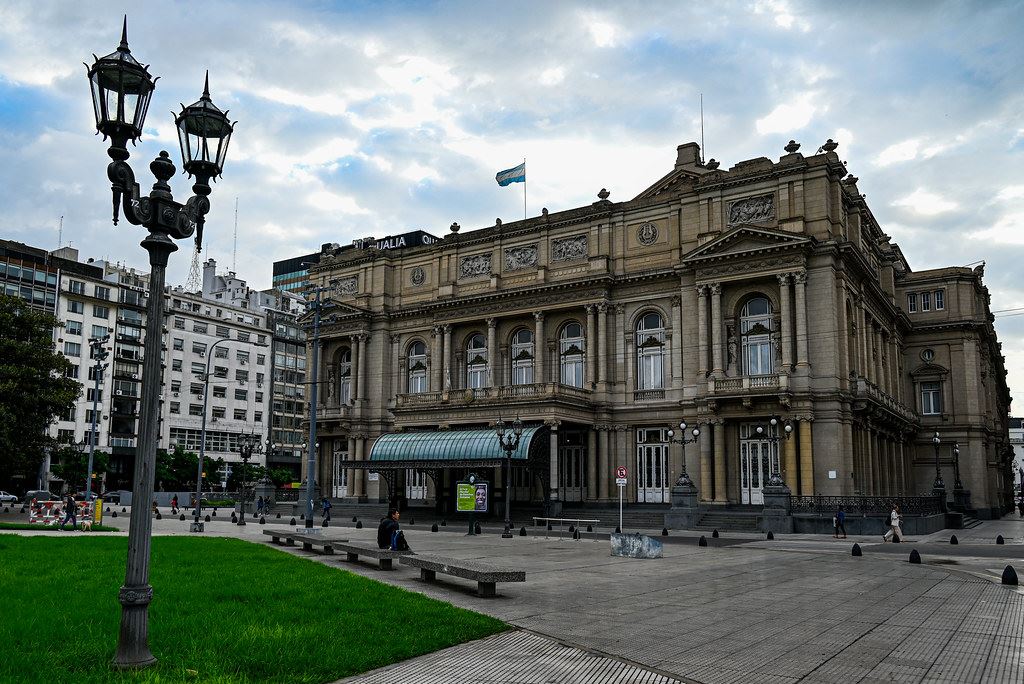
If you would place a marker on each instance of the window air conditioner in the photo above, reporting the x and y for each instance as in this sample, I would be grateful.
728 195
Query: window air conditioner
175 394
135 376
117 392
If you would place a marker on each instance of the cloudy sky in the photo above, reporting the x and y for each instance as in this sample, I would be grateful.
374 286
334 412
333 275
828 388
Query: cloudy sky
359 118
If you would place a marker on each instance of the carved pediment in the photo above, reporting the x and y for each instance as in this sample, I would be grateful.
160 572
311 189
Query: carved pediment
747 241
929 370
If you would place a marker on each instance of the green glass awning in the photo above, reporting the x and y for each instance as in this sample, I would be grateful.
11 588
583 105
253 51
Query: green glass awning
447 446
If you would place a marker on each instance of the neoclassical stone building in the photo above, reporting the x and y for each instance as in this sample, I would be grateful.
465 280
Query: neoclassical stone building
719 298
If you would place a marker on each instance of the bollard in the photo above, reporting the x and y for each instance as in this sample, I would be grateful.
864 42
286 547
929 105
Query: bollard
590 528
234 519
279 515
327 523
999 540
1009 575
549 527
856 551
433 528
124 510
953 540
181 517
476 529
915 557
159 517
572 528
664 531
302 516
214 512
292 522
355 518
714 534
412 521
444 523
359 525
207 518
23 509
263 520
703 541
771 535
522 531
114 514
617 529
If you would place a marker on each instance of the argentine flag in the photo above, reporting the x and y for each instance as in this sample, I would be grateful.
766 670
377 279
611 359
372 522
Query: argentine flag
516 175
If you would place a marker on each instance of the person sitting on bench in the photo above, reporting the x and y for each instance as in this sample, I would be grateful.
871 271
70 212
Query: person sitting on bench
389 535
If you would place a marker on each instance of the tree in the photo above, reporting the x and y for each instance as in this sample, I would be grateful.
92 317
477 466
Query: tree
176 470
279 476
70 464
33 390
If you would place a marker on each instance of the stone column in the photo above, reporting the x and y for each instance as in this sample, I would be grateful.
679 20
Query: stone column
721 493
629 361
397 386
718 366
492 353
353 378
791 474
601 348
447 376
603 465
350 474
620 348
787 324
800 282
626 458
675 460
590 351
674 374
868 484
436 353
553 460
706 493
593 489
540 346
360 478
862 339
806 457
363 338
702 334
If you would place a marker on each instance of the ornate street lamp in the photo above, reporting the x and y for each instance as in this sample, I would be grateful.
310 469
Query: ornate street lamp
957 484
248 444
938 486
509 442
770 432
121 91
684 478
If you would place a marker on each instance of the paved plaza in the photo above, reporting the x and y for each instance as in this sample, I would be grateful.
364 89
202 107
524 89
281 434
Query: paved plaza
743 609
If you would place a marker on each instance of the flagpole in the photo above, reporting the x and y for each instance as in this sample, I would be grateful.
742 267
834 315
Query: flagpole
524 188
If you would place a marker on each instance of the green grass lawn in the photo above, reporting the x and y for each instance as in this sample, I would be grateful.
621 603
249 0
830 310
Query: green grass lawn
224 610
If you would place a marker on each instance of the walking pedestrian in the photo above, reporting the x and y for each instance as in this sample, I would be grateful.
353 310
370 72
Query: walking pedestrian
174 503
259 506
894 525
840 523
70 513
325 507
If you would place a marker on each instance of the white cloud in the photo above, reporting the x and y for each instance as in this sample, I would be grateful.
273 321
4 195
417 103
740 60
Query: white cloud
552 76
914 148
603 33
782 14
1007 230
790 116
926 203
328 201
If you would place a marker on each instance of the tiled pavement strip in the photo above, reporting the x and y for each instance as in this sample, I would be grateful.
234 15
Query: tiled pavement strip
799 610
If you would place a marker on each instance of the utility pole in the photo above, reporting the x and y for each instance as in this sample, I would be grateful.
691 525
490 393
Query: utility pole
99 353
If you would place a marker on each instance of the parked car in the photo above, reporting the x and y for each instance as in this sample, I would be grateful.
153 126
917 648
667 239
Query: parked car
113 498
80 496
41 495
7 498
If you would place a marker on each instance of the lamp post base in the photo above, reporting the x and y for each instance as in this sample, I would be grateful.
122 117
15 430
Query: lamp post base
133 645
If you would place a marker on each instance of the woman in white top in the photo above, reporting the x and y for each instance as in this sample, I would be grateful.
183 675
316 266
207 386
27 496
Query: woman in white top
894 525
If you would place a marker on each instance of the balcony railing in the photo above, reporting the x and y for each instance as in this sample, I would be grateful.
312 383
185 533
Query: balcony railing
333 412
648 395
536 391
756 383
866 505
870 390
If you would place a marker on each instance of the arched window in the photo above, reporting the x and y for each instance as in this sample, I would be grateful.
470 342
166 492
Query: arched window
571 347
522 357
417 360
650 348
345 376
476 362
756 335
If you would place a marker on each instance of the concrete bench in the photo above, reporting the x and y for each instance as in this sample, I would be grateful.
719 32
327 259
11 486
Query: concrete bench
483 574
308 540
384 556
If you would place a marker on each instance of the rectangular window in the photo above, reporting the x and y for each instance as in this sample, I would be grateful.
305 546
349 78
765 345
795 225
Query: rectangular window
199 348
179 323
100 311
196 388
259 397
222 331
220 353
102 292
175 407
912 302
75 307
179 344
175 385
176 365
72 349
220 372
90 394
198 368
73 328
69 415
66 436
261 339
219 411
71 372
241 395
926 301
242 356
261 359
76 287
220 392
240 414
195 409
100 331
931 398
258 417
243 336
199 328
940 300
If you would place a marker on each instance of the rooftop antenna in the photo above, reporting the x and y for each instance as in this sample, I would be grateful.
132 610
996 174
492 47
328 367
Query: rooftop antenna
702 128
234 247
60 233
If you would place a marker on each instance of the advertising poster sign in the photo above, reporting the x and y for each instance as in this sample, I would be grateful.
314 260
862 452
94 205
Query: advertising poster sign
471 497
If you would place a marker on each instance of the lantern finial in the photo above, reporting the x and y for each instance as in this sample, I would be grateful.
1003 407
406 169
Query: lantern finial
124 35
206 87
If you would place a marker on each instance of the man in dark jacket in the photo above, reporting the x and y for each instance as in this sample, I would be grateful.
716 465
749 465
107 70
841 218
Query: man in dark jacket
387 530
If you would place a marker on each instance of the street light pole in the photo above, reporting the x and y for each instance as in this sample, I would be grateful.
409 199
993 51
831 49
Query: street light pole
197 526
771 433
247 445
938 484
509 442
684 478
100 354
121 90
957 484
316 305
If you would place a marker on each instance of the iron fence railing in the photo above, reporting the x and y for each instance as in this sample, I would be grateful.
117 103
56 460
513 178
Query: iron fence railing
865 505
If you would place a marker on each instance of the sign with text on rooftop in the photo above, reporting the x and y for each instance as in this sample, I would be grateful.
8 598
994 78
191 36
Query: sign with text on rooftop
413 239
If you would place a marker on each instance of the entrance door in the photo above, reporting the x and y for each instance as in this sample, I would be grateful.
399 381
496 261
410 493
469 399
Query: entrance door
572 469
415 485
340 476
758 460
651 467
